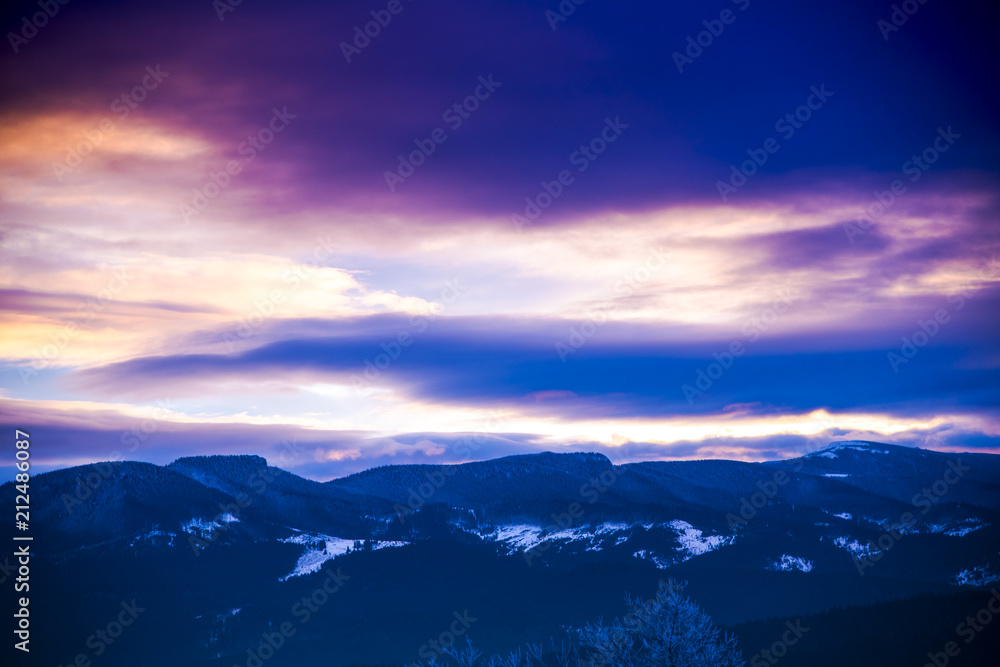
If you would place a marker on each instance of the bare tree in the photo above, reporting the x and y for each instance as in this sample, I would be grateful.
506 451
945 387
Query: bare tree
466 658
670 630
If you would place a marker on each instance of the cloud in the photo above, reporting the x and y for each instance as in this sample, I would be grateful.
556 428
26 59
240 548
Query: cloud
617 377
79 434
301 267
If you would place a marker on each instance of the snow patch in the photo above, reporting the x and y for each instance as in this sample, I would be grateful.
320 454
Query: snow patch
312 560
962 528
151 535
977 576
830 451
790 563
852 546
693 542
324 548
221 618
525 536
843 515
204 527
519 536
305 538
835 474
201 525
660 563
388 544
611 528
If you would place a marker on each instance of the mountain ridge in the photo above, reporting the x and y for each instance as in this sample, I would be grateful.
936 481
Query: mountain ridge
526 542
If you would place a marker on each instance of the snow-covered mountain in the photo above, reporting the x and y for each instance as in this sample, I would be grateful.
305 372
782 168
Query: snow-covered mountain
564 534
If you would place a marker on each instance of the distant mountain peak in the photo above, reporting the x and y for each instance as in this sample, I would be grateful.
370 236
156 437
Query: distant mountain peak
205 461
831 451
565 461
575 456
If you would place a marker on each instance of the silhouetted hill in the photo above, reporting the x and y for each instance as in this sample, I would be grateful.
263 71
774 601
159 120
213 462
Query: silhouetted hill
272 494
222 548
903 472
90 504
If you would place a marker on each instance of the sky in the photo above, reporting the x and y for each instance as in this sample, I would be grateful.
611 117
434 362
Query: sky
341 234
